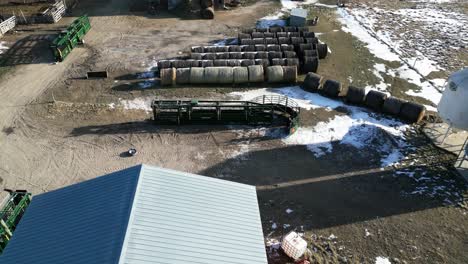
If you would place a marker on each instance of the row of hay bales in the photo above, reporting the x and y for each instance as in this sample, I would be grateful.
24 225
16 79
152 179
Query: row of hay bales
228 75
278 41
249 55
253 35
164 64
375 100
241 48
275 29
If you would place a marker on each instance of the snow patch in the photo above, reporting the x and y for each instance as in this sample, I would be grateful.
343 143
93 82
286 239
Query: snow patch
137 104
382 260
3 47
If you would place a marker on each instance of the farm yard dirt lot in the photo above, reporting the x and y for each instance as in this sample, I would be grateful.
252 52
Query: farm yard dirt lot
360 186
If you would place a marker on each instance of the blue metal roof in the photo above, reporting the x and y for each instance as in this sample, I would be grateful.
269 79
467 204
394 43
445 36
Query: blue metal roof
82 223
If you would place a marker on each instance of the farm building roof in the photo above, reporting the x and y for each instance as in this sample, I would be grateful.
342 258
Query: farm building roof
142 214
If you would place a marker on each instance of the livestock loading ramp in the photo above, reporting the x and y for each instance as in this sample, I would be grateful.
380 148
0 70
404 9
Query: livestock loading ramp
262 110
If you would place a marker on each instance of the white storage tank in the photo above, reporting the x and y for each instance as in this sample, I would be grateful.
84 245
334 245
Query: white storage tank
294 245
453 107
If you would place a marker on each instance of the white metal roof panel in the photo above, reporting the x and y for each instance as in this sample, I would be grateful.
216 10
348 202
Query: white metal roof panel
299 12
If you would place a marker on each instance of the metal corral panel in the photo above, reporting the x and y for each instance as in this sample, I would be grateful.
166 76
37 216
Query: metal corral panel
185 218
82 223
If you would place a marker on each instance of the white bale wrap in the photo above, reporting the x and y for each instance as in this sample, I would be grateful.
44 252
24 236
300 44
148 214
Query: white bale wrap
225 75
241 74
275 74
256 73
211 75
196 75
183 76
168 76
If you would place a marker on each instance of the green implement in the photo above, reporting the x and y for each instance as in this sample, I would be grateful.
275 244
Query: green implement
11 212
70 38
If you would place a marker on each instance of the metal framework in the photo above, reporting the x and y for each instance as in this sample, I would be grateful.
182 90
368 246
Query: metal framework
260 110
70 38
12 210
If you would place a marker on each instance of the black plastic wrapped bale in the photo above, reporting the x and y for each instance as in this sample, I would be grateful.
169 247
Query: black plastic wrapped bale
263 30
248 48
209 56
310 64
263 62
207 63
164 64
303 29
222 55
356 95
225 75
393 105
222 49
167 76
249 55
258 41
294 34
269 41
305 46
258 35
292 62
269 35
193 63
210 49
206 3
310 53
297 40
248 30
282 34
276 29
290 29
261 55
322 50
183 76
275 74
256 74
247 42
260 47
233 63
207 13
284 40
220 63
308 34
235 55
197 49
210 75
180 64
246 63
311 40
375 100
275 55
287 47
331 88
234 48
290 74
196 56
197 75
412 112
244 36
273 48
278 62
241 74
289 54
312 82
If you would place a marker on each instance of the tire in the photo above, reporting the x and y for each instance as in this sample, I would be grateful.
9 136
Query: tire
260 48
310 64
322 50
312 40
355 95
412 112
248 30
311 82
392 106
375 100
180 64
294 34
331 88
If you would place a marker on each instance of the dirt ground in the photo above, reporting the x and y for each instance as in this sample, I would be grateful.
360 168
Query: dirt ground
58 129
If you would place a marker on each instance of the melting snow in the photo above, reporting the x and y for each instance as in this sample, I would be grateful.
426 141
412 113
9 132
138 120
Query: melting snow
3 47
137 104
382 260
288 211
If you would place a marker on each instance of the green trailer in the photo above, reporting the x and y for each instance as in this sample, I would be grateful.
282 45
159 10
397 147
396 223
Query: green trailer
68 39
12 210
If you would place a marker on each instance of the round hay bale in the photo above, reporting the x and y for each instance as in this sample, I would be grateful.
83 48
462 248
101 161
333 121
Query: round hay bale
235 55
312 82
248 30
241 74
294 34
244 36
164 64
261 55
275 29
258 41
331 88
392 106
180 64
297 40
292 62
233 63
207 13
269 35
312 40
303 29
260 47
263 30
222 55
310 64
375 100
210 49
256 73
234 48
269 41
209 56
273 48
310 53
193 63
247 42
225 75
282 34
183 76
249 55
167 76
275 74
263 62
257 35
290 74
246 63
206 3
220 63
248 48
412 112
308 35
197 75
196 56
210 75
222 48
197 49
305 46
207 63
289 54
284 41
275 55
322 50
285 47
355 95
278 62
290 29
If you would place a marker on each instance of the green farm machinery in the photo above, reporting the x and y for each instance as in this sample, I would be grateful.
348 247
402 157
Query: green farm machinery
70 38
11 212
